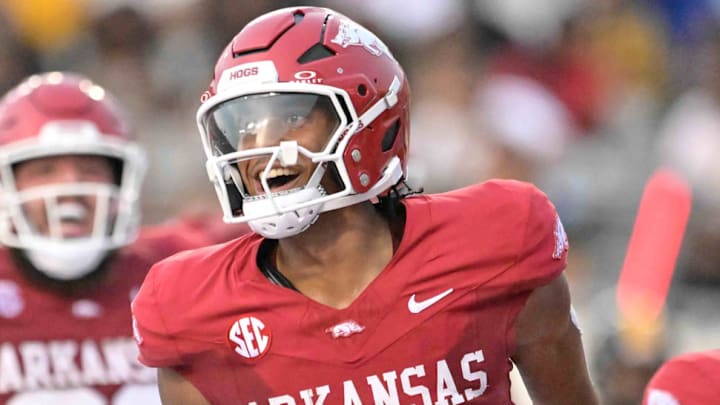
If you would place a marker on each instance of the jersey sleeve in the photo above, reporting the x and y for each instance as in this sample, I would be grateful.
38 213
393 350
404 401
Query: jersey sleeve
157 347
683 381
546 243
543 246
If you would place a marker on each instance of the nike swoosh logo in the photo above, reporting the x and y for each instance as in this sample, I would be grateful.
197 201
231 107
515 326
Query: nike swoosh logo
418 306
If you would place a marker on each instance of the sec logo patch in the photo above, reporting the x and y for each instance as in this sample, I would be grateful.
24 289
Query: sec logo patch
249 337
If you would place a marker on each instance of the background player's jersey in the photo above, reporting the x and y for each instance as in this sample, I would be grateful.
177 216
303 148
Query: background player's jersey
79 349
434 327
689 379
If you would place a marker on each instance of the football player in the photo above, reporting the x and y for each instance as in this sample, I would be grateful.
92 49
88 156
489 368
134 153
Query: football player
73 255
352 289
687 379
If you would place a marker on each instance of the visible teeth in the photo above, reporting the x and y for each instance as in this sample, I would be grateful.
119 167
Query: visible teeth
274 194
281 171
71 211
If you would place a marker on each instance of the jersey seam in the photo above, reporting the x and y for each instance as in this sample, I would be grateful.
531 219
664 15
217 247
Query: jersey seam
162 320
518 249
429 208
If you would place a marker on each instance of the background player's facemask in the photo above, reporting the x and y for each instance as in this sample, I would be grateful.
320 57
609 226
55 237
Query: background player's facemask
58 255
268 153
114 221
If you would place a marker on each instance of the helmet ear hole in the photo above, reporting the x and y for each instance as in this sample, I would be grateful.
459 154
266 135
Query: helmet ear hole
390 135
362 90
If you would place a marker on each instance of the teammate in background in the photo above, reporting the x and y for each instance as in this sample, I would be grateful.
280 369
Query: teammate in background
688 379
352 289
73 255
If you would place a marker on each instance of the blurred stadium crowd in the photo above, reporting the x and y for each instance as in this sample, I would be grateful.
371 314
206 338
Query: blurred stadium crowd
585 98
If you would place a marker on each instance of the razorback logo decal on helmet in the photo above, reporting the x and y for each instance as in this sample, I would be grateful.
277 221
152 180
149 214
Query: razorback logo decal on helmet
350 34
249 337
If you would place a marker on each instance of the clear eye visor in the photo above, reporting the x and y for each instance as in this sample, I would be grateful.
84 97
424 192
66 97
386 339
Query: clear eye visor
270 143
265 120
262 130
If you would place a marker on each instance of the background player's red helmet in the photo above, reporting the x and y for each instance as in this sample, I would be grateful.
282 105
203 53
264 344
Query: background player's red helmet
56 114
317 51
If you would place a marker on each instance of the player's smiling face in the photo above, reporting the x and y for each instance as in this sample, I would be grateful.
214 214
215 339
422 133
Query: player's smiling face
75 213
266 120
311 132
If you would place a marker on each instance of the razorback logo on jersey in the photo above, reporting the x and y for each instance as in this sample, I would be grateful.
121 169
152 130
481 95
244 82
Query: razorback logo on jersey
350 34
561 239
136 332
249 337
345 329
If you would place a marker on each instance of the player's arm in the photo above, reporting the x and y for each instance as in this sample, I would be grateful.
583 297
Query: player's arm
176 390
549 352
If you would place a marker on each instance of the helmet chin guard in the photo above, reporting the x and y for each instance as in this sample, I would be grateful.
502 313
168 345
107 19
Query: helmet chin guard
277 223
66 260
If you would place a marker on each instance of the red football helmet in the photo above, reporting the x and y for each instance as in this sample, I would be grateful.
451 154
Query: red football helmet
57 114
287 64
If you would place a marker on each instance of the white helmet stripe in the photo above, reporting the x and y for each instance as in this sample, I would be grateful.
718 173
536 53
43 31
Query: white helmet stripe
382 105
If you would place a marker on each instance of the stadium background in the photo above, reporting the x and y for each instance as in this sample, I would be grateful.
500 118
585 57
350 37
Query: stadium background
583 97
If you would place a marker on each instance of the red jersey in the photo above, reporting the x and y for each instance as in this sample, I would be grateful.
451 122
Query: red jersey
689 379
435 326
78 349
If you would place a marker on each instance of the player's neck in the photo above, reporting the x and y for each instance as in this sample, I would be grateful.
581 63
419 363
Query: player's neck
336 258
